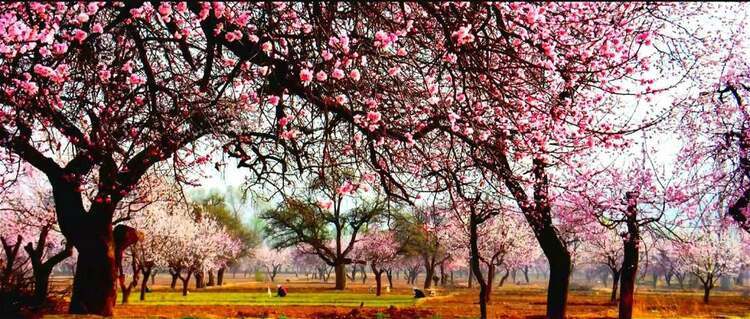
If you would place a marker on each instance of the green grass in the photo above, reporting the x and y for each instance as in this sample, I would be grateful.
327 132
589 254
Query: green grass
262 299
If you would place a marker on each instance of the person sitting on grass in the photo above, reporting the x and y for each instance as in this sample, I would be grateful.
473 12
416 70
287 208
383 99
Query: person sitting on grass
418 293
281 291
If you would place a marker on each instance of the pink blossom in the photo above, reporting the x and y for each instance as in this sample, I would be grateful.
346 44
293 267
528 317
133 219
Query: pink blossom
233 36
273 100
394 70
59 48
345 189
369 177
42 70
97 28
165 9
321 76
341 99
326 55
104 75
136 79
337 74
289 135
463 35
354 75
79 35
325 204
82 17
373 117
306 76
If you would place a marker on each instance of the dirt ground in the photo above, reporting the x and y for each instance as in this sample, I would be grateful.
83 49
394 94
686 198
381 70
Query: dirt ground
510 301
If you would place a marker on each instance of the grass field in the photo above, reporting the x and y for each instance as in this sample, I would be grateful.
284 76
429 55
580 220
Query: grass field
342 299
245 298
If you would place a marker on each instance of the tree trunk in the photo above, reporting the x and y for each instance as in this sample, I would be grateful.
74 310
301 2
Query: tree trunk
42 269
706 292
210 279
389 276
540 219
526 273
340 268
174 275
185 282
629 267
144 282
615 282
473 239
378 279
504 277
198 279
364 274
443 277
94 289
490 278
668 278
11 253
429 271
220 276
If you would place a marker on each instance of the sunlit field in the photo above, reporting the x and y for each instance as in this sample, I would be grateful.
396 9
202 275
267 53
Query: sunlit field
246 298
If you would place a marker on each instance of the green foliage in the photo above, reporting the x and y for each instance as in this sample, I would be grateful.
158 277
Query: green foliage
300 220
215 204
260 276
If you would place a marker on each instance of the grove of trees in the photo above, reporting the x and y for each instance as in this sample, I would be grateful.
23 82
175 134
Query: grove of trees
400 136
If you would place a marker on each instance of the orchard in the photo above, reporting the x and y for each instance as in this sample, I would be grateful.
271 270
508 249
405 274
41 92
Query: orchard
374 159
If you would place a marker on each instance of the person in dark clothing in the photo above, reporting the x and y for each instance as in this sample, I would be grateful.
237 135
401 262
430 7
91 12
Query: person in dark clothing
418 293
281 291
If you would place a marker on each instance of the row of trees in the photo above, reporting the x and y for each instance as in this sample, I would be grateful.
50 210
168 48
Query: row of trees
494 108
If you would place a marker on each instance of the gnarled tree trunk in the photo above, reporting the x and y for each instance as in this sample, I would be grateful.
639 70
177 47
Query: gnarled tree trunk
629 267
94 289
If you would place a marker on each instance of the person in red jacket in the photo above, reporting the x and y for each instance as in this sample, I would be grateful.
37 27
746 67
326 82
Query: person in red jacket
281 291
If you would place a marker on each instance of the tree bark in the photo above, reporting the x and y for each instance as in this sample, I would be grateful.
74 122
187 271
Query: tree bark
504 277
340 268
706 293
42 269
429 271
175 275
94 289
526 273
629 267
185 282
220 276
144 281
539 217
615 282
210 278
389 276
199 279
364 274
378 279
473 240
